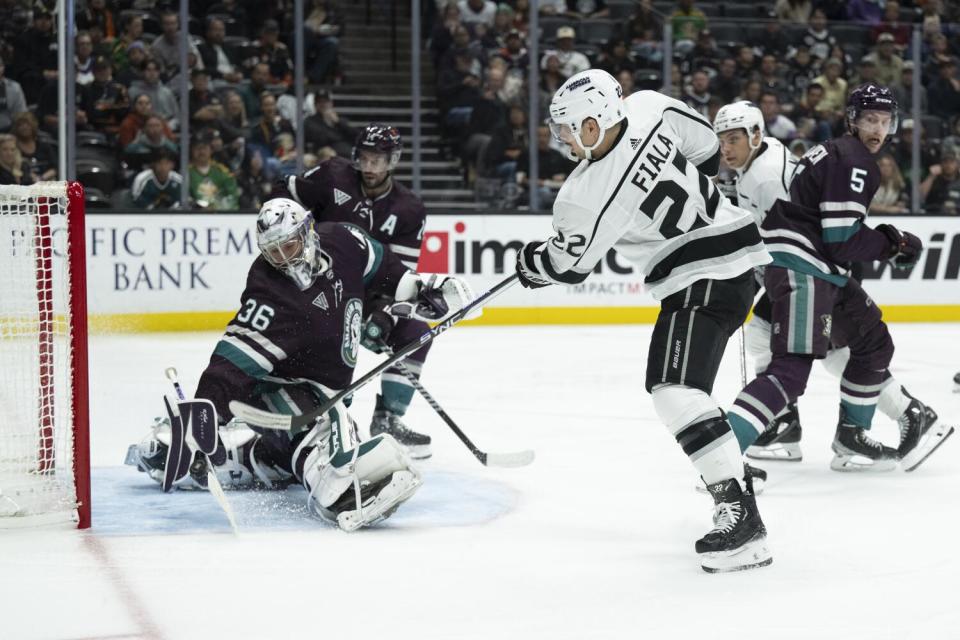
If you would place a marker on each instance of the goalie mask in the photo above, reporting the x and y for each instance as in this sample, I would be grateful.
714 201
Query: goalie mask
287 240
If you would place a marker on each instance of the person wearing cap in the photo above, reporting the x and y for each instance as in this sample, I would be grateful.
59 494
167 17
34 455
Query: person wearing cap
14 102
273 53
212 185
687 21
136 58
944 92
834 90
105 101
889 64
891 24
571 60
131 30
204 104
326 128
158 186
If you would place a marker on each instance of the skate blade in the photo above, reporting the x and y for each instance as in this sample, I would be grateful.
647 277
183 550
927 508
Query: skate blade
928 444
752 555
418 451
783 452
861 464
403 485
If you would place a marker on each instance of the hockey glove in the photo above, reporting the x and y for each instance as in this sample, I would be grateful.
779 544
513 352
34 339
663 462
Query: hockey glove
430 297
905 248
530 276
376 328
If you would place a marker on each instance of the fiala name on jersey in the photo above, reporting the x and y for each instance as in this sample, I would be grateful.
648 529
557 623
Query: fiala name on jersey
654 158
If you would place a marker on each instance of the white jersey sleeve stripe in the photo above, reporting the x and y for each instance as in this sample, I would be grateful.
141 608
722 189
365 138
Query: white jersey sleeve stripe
849 205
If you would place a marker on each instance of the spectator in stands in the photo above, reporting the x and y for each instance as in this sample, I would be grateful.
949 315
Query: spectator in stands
834 91
152 137
264 133
752 92
902 149
687 21
771 40
644 29
489 113
83 60
205 106
940 190
943 94
846 60
772 80
552 7
234 129
865 11
891 24
904 91
326 128
496 36
97 14
458 88
13 101
802 68
507 142
166 47
212 186
514 53
324 28
794 11
811 123
35 61
234 10
587 9
521 10
136 58
889 64
866 72
746 62
778 125
705 54
551 76
474 12
251 92
441 38
13 168
216 59
627 82
891 197
165 103
697 94
817 36
131 126
254 184
131 31
273 53
106 102
40 156
938 54
552 168
572 61
615 57
158 187
726 84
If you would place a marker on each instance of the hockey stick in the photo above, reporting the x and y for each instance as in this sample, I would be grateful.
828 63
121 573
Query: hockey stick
743 356
517 459
212 483
268 420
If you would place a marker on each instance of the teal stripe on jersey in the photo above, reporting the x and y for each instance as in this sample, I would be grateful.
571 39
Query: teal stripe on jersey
377 249
790 261
746 434
840 234
239 359
396 395
858 414
801 318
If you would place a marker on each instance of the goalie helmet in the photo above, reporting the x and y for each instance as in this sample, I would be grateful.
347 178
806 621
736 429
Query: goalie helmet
379 138
740 115
872 97
287 240
589 94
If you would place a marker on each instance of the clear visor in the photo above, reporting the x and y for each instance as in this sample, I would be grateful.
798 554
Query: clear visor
372 162
561 132
879 123
283 252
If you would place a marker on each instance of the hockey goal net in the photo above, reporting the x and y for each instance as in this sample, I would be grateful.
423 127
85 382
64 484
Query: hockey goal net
44 434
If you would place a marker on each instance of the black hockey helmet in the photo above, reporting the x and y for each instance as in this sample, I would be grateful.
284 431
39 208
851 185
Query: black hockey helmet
380 138
871 97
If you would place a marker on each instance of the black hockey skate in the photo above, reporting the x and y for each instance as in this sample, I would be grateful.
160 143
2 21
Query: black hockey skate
920 433
757 476
416 444
738 539
956 383
854 450
781 439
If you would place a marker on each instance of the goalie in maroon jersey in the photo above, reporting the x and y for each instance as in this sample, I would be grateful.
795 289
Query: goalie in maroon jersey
293 345
362 192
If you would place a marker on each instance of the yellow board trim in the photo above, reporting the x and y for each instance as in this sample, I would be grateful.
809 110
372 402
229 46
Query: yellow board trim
217 320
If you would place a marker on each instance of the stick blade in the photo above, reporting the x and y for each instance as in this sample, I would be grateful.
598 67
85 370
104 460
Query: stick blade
259 417
509 460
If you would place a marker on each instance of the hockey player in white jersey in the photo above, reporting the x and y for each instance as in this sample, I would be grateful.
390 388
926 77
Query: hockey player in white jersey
643 188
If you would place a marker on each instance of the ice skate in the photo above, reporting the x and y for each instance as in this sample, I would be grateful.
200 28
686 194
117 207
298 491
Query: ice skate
921 433
416 444
781 439
738 539
956 382
854 450
757 476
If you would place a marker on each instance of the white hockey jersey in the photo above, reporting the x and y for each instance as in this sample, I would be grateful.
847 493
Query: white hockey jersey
765 179
647 199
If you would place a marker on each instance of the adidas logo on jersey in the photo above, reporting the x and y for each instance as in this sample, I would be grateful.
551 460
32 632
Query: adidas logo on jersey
321 301
634 143
340 197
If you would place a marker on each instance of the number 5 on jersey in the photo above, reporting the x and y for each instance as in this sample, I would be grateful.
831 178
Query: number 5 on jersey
856 179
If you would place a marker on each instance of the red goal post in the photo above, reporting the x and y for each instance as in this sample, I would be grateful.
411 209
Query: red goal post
44 412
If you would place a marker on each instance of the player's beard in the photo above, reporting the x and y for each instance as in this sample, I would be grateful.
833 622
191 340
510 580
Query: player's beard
367 181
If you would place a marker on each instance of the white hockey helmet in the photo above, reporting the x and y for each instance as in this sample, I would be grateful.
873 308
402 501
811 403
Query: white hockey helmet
287 240
589 94
740 115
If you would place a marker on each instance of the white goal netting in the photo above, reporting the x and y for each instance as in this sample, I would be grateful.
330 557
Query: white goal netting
37 427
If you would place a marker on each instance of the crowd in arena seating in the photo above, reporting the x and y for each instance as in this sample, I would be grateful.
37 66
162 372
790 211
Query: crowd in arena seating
795 59
127 60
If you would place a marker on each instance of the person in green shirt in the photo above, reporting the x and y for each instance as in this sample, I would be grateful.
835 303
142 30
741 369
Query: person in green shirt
687 21
158 187
212 186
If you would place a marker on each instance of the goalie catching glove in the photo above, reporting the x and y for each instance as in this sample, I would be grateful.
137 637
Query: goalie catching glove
431 297
905 248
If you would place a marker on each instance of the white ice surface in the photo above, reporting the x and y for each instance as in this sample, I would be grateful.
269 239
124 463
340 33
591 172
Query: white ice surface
594 540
